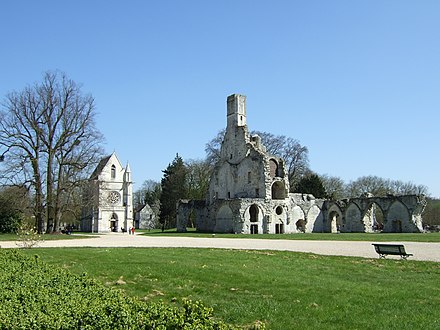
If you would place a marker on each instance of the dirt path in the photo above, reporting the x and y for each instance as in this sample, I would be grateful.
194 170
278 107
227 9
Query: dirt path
421 251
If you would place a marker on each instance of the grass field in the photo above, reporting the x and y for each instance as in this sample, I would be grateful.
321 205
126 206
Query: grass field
47 237
377 237
284 289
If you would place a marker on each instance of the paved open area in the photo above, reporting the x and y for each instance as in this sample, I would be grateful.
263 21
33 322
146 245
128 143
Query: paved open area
421 251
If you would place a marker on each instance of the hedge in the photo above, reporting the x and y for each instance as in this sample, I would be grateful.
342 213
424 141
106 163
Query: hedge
35 295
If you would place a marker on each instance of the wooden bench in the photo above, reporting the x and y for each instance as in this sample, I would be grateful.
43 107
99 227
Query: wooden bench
392 249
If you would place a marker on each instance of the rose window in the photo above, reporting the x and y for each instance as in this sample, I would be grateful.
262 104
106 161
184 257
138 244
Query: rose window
114 197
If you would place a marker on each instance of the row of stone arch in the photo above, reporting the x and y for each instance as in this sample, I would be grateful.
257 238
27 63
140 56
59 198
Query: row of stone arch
280 219
374 217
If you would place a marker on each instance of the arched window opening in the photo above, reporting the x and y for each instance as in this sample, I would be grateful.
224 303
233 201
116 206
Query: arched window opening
113 172
273 165
279 210
253 212
278 190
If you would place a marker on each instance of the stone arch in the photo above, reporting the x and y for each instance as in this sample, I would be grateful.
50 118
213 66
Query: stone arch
224 220
353 219
373 218
298 219
397 219
253 217
279 219
334 223
315 220
278 190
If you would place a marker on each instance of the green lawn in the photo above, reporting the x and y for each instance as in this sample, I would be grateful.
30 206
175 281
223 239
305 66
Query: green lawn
377 237
48 237
284 289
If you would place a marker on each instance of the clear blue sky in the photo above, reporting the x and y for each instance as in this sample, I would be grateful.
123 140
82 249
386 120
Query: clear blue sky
357 82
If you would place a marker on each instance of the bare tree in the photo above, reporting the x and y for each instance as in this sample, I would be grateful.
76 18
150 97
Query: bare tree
198 176
212 148
49 130
381 187
334 186
149 193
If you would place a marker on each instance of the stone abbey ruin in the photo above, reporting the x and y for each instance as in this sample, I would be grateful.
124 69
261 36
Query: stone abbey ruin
249 194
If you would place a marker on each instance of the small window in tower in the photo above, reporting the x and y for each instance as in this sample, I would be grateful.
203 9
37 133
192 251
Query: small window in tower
113 172
257 192
249 177
229 194
230 157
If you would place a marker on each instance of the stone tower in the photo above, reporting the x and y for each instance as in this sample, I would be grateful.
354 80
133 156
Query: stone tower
236 105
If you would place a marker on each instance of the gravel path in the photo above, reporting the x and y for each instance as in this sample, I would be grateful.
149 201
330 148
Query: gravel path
421 251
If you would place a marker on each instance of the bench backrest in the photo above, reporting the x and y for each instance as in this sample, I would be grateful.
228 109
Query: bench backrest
397 249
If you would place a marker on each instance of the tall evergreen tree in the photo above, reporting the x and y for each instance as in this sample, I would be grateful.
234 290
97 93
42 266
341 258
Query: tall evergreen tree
173 189
311 184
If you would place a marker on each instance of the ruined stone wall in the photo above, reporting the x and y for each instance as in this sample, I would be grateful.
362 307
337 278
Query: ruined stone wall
196 209
388 214
249 193
306 213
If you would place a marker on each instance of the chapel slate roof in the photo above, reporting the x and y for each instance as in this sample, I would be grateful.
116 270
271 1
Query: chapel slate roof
100 167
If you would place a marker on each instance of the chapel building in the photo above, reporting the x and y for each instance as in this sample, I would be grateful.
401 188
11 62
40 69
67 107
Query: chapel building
109 199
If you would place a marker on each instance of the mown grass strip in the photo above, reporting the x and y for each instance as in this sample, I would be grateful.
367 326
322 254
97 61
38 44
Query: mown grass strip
284 289
376 237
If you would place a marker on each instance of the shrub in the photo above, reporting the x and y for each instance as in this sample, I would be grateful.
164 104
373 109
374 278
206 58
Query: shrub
10 221
35 295
28 237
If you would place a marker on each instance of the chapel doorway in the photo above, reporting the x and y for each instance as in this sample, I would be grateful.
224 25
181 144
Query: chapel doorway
114 222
